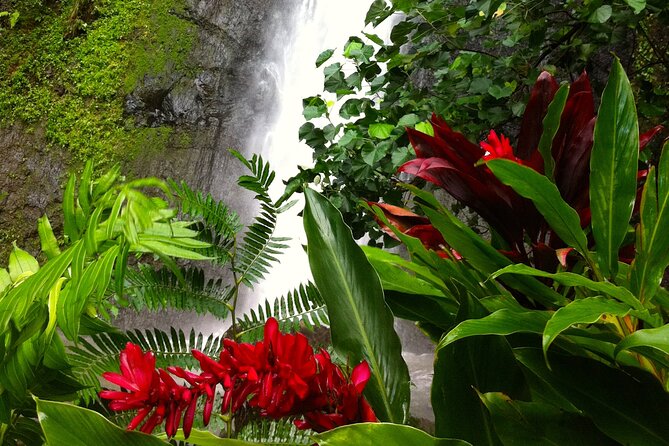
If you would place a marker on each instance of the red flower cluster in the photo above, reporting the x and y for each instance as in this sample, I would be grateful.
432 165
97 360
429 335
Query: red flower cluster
279 376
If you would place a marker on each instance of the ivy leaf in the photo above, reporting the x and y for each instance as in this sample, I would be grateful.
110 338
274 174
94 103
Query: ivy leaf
636 5
601 14
425 127
499 92
373 153
324 57
380 131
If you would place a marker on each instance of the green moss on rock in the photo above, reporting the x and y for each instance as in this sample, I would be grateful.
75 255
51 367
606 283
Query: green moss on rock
76 85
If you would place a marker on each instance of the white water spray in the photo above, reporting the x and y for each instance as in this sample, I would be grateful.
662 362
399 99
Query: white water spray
318 25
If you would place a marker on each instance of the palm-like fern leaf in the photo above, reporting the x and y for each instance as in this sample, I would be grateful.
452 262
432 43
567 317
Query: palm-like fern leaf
100 353
259 248
274 432
160 289
215 214
302 308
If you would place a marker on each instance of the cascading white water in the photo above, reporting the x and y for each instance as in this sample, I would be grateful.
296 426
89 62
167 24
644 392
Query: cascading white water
318 25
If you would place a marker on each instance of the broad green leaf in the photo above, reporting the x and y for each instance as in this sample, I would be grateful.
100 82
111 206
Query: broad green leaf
527 182
484 364
168 249
652 242
485 258
656 338
65 424
206 438
361 323
613 168
520 423
627 409
386 434
21 263
395 278
47 238
502 322
551 123
380 130
581 311
572 279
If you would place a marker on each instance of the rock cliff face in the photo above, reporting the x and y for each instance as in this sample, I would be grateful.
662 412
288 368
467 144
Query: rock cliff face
225 95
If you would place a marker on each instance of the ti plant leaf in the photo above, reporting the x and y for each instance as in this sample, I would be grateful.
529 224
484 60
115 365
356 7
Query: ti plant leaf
613 168
652 244
561 217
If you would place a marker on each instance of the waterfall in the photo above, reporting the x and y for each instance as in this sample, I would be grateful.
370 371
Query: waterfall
316 26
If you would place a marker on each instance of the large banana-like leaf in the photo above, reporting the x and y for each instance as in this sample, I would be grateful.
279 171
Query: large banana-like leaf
361 323
65 424
386 434
520 423
631 410
461 369
613 168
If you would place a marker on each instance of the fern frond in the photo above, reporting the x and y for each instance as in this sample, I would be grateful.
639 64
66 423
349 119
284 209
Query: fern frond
259 248
215 214
93 356
97 354
274 432
160 289
302 308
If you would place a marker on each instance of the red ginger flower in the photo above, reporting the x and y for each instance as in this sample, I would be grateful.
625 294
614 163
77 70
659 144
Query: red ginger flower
280 376
339 400
153 392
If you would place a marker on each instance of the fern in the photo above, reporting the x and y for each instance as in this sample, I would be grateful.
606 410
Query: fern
215 214
303 307
274 432
259 248
160 289
93 356
99 353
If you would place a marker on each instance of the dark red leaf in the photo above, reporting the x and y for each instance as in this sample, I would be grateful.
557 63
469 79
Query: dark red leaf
531 127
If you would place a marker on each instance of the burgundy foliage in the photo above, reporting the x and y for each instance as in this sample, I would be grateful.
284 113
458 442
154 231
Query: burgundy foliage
279 376
457 165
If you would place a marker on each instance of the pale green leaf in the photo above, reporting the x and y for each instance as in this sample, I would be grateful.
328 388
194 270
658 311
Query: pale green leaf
380 130
386 434
21 263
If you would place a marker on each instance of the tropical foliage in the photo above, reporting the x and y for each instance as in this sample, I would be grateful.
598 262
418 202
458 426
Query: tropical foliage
579 342
469 62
